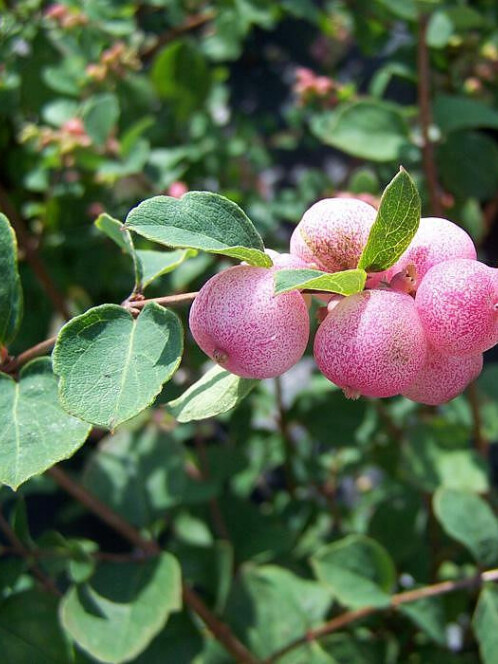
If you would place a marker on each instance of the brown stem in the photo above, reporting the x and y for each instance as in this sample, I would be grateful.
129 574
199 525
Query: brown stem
192 23
165 301
25 553
286 438
479 440
396 600
29 245
220 630
424 103
13 364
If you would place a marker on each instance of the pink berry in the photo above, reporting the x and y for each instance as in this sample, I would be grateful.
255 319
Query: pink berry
372 344
435 241
443 378
457 302
333 233
74 126
177 189
240 323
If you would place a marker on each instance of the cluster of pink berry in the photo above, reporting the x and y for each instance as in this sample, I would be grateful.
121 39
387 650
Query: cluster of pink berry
418 329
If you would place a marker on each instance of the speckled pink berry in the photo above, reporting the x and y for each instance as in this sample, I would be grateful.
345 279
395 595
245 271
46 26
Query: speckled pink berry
443 378
436 240
240 323
333 233
372 344
457 302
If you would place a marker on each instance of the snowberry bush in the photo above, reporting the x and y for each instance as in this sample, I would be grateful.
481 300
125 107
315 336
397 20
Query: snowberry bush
392 305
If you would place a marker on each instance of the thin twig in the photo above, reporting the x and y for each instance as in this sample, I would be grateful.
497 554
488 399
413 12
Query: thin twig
192 23
480 442
220 630
29 246
165 301
286 438
13 364
424 103
396 600
25 553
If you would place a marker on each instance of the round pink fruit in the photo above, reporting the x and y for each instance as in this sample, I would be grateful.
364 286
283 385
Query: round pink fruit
457 302
443 378
372 344
240 323
333 233
436 240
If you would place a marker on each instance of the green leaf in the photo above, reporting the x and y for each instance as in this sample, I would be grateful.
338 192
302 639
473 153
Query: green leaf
428 614
370 130
181 75
148 264
199 220
100 115
468 164
439 30
59 111
406 10
453 113
154 264
347 648
396 223
36 433
468 518
116 616
440 456
116 231
485 623
216 392
178 643
344 283
111 366
30 631
10 284
358 570
269 607
139 474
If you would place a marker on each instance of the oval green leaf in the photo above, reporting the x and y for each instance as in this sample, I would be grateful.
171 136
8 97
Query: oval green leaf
485 623
30 632
343 283
199 220
153 264
372 130
116 231
111 366
468 519
217 392
117 614
396 223
10 284
358 570
36 432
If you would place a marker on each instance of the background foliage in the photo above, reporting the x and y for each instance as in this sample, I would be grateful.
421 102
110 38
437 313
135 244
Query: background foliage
296 506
